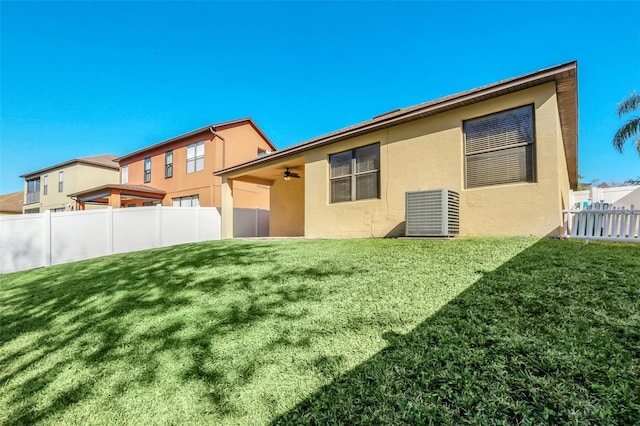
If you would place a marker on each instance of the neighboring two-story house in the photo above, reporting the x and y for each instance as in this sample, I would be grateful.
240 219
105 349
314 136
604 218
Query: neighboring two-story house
48 188
179 171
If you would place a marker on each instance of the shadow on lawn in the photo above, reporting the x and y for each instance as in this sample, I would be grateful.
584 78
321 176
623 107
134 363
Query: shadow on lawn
551 336
82 304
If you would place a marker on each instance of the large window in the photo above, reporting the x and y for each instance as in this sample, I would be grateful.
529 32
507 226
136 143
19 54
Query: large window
60 181
355 174
195 157
168 164
124 175
190 201
33 191
147 170
499 148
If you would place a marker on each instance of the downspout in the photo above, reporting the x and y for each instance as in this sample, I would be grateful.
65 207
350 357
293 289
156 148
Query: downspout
223 143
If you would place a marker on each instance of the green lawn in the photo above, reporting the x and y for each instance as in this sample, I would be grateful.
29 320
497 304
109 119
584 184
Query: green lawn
352 331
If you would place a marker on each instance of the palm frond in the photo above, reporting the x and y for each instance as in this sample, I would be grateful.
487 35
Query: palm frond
632 103
628 130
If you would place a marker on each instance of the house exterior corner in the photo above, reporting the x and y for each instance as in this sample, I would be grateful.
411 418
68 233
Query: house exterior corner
429 153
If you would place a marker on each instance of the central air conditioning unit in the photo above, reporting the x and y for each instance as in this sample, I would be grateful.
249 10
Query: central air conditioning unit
432 213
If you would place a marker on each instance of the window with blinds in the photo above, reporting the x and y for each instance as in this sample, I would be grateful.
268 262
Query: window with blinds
499 148
355 174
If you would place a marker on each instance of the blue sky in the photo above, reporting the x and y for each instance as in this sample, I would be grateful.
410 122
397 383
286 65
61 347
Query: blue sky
87 78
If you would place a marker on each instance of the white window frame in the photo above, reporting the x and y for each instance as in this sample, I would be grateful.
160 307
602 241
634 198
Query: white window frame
124 175
195 157
168 164
187 201
147 170
61 181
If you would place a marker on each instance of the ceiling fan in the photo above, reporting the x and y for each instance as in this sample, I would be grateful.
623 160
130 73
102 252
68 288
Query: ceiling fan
289 174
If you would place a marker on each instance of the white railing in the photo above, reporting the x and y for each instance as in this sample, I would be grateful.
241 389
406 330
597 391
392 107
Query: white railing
602 222
33 197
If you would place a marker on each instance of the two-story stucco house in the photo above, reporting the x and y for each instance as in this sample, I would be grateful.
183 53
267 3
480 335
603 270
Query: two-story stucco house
179 171
509 149
48 188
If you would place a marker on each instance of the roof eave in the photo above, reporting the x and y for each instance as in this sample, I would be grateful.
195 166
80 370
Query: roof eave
125 187
435 107
68 163
215 127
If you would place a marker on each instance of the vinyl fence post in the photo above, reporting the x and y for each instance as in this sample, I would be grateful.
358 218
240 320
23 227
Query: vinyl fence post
47 238
158 225
255 234
109 230
197 222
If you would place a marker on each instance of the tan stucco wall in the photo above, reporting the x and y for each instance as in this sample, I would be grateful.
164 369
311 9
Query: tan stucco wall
428 153
77 177
563 176
286 218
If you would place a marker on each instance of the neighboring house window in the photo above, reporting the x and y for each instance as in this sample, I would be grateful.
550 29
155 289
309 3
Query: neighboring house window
195 157
499 148
58 210
28 211
33 191
147 170
168 164
190 201
60 181
124 174
355 174
45 186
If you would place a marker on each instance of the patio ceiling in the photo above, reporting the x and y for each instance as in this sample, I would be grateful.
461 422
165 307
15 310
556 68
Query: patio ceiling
267 173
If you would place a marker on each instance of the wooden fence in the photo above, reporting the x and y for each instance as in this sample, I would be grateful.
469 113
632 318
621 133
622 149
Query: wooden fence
602 222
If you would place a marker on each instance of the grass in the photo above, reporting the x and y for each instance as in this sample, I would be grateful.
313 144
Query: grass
513 331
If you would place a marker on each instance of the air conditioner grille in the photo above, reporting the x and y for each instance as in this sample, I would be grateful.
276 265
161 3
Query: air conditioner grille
432 213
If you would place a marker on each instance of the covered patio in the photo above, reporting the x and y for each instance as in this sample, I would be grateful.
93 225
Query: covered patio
286 193
118 195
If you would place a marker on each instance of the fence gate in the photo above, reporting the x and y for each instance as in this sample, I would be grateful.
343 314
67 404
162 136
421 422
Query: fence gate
602 222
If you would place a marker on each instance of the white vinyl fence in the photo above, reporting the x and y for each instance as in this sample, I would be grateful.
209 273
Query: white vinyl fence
618 196
602 222
250 223
34 240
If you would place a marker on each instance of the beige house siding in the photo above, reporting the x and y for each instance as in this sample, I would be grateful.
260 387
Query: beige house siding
564 186
77 177
428 153
288 205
